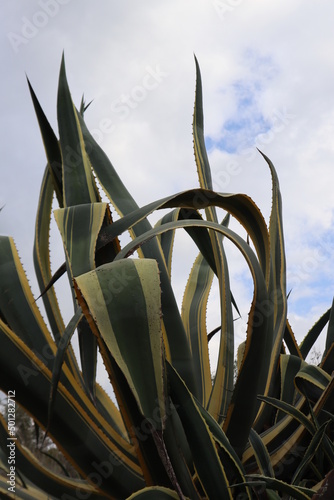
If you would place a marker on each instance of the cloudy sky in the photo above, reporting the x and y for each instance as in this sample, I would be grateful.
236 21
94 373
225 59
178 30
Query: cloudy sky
267 70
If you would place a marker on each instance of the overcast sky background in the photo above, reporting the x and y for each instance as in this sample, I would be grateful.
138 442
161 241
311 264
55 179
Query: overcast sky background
267 70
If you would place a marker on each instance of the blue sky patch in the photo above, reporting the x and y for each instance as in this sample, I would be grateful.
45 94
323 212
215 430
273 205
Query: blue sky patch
240 131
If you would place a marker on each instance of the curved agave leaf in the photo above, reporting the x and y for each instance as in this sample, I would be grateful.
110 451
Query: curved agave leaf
239 205
291 410
311 381
155 493
199 235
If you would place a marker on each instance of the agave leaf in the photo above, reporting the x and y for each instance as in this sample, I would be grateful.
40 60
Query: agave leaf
261 454
313 334
208 466
51 146
59 359
167 240
154 493
310 452
201 157
123 299
17 304
180 456
327 363
296 492
139 428
222 390
290 410
78 182
83 105
109 411
290 366
285 440
194 319
199 235
291 342
326 400
311 381
227 454
79 227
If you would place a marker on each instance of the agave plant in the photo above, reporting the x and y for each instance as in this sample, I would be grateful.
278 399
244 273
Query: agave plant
174 431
